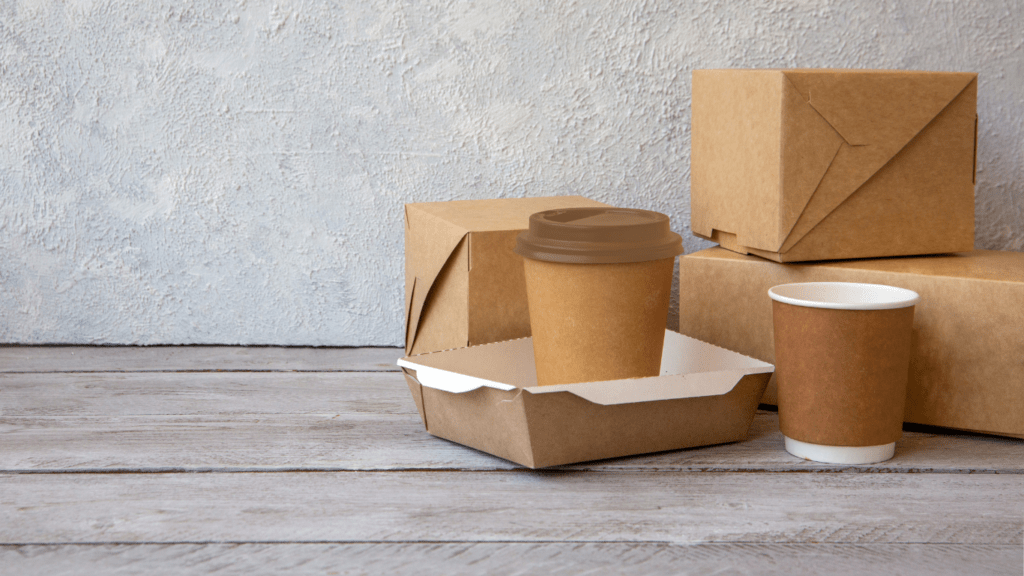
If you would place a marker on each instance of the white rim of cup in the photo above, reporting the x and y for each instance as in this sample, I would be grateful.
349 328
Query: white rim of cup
844 295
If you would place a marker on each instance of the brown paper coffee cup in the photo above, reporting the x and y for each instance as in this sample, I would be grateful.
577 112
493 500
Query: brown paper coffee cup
598 282
593 322
842 354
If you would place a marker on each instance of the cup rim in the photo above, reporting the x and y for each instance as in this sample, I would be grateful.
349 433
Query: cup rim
844 295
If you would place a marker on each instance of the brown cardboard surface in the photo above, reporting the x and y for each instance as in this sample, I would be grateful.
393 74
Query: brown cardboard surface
798 165
463 283
595 322
842 374
487 397
967 363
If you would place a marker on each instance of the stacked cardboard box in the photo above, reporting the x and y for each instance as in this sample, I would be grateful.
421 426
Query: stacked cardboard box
802 165
798 165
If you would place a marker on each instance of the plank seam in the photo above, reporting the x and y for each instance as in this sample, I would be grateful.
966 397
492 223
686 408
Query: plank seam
291 470
358 542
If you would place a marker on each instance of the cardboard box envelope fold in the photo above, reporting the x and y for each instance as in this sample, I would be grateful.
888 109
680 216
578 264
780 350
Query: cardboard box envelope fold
463 282
796 165
487 397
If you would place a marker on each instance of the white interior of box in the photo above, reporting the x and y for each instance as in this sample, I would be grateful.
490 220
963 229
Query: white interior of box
689 369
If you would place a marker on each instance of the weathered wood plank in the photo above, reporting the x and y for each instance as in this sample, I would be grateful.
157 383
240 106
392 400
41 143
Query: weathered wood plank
519 558
367 441
241 442
916 452
107 394
195 358
340 421
512 506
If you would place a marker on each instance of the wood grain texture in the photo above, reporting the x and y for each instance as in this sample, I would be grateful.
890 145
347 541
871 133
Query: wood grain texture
195 358
167 393
342 421
513 558
521 506
360 441
320 464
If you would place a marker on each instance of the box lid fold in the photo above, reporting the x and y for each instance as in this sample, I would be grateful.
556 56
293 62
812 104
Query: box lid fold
430 244
847 125
435 230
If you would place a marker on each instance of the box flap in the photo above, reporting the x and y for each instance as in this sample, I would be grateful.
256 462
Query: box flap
690 369
875 114
429 245
417 394
434 231
668 387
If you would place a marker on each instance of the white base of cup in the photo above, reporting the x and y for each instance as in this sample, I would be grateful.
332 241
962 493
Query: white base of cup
840 454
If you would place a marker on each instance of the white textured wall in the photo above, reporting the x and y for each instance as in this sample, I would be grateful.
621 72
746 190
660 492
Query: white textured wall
199 172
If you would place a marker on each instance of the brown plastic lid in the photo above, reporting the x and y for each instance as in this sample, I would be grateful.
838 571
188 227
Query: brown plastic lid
599 235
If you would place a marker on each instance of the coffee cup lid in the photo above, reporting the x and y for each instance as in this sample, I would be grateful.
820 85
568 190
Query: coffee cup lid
599 235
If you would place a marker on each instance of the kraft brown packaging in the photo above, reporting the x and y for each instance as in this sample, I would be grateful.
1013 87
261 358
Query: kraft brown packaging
800 165
967 358
463 283
598 321
598 283
486 397
842 374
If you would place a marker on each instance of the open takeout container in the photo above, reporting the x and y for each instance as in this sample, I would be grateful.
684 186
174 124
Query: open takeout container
486 397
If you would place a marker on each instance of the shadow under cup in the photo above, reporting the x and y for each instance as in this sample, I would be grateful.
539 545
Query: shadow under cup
842 355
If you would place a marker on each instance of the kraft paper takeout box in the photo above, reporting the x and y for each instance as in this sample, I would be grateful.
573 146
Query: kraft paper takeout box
463 283
797 165
486 397
967 360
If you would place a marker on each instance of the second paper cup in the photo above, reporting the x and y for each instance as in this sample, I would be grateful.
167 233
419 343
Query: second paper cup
842 357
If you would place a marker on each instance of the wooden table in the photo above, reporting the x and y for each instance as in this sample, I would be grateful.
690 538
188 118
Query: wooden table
264 460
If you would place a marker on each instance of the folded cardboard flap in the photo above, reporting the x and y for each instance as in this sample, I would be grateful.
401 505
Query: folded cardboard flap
778 156
876 115
430 243
690 369
635 390
438 237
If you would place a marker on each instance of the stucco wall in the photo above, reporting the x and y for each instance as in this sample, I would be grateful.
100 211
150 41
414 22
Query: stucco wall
199 172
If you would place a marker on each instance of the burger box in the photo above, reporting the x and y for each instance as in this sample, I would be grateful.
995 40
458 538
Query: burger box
798 165
967 360
486 397
463 283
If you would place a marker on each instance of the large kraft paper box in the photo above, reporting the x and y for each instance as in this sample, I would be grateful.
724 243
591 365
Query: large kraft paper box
799 165
967 361
463 283
486 397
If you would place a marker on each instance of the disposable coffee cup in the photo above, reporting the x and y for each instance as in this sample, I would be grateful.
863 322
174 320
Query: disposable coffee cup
598 282
842 359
